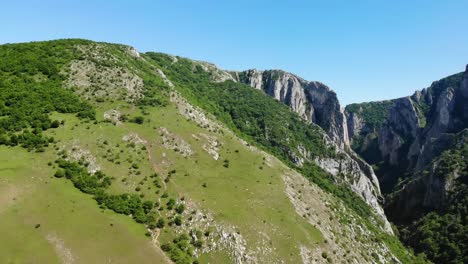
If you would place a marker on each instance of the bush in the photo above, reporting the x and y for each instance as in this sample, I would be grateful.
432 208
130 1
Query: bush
60 173
138 120
180 208
178 220
180 250
55 124
170 204
161 223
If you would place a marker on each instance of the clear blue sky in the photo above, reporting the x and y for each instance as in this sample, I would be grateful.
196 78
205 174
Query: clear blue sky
364 50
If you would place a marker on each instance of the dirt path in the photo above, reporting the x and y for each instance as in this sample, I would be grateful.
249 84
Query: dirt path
157 246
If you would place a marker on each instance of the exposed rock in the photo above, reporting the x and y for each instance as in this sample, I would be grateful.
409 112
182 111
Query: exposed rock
223 236
363 182
349 168
97 81
133 52
427 189
324 212
165 79
217 74
62 251
114 116
355 124
134 138
317 103
193 113
442 121
313 101
77 153
174 142
211 144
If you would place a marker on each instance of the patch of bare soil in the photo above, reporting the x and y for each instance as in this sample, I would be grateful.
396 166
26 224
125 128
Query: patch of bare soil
61 250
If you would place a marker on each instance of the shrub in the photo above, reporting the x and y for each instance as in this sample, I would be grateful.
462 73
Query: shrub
55 124
170 204
138 120
161 223
180 208
59 173
178 220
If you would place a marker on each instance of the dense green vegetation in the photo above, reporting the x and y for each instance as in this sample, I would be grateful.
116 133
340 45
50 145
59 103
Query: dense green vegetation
31 88
178 249
442 233
373 113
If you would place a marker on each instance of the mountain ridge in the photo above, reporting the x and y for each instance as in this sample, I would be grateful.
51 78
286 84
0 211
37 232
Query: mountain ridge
166 143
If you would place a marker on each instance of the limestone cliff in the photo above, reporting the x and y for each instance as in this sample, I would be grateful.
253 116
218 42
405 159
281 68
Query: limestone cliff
410 134
314 101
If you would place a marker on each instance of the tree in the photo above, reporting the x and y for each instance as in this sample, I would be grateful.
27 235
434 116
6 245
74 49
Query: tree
140 216
147 206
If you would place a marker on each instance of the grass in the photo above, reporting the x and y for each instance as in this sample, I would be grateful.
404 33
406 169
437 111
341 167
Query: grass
248 195
63 212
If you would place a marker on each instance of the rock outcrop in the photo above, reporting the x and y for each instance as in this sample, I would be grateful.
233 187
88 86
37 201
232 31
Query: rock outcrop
414 131
428 190
313 101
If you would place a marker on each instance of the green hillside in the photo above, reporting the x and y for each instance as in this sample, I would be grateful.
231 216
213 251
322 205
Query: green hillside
108 155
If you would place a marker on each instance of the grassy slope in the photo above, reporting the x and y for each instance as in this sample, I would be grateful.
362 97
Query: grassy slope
30 196
233 195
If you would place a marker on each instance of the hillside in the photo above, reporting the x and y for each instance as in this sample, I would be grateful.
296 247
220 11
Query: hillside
110 155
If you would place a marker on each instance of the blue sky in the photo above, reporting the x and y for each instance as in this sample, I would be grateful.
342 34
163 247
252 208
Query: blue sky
364 50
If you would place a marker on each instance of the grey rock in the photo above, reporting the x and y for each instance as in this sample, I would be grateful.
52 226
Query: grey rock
313 101
416 130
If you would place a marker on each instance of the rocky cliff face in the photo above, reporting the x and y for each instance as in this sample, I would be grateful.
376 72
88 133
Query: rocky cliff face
413 132
313 101
428 189
317 103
